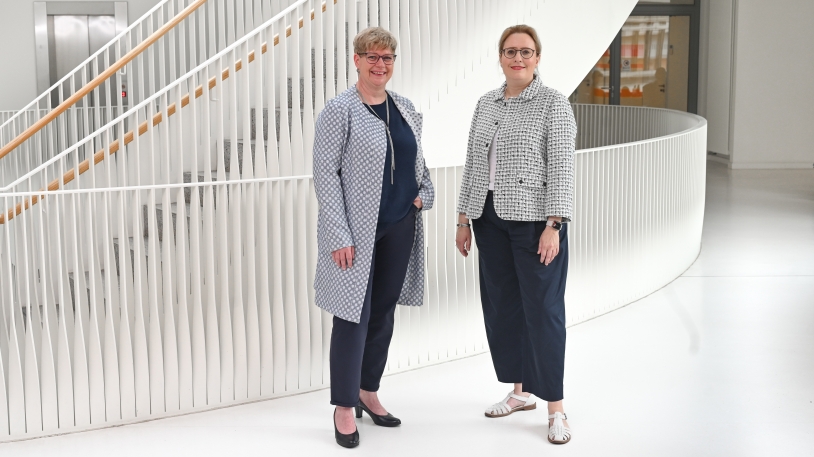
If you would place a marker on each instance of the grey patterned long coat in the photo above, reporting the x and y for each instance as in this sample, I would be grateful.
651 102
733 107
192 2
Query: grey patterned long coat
350 145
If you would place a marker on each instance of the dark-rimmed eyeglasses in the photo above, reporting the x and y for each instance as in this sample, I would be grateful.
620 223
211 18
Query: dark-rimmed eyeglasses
371 58
525 53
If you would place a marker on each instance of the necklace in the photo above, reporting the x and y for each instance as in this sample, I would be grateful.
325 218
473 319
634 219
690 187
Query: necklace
386 129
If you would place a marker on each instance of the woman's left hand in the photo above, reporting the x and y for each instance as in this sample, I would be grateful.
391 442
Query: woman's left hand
549 245
417 202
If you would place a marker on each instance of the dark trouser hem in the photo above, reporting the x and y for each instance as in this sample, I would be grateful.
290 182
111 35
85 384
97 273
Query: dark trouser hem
523 302
359 351
345 405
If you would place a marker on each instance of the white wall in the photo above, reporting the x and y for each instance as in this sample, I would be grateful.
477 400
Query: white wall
18 77
759 103
774 101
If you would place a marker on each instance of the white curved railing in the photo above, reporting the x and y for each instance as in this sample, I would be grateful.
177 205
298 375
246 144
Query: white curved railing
639 204
195 39
213 304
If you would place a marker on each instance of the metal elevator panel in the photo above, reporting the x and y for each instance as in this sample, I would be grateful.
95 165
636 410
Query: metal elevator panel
71 44
73 39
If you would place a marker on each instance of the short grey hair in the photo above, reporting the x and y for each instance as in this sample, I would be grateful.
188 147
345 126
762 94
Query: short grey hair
374 38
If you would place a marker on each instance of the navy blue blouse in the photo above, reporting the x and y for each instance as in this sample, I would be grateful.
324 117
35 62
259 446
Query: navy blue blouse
397 198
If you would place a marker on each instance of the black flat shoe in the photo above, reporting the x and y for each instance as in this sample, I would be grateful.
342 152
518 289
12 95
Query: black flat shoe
348 441
383 421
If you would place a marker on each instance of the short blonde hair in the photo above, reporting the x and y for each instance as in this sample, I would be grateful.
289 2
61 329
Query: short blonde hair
374 38
520 28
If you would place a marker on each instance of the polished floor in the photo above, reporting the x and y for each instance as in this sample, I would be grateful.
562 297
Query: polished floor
718 363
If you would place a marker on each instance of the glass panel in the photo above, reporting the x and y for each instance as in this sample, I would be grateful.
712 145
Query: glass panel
655 61
595 88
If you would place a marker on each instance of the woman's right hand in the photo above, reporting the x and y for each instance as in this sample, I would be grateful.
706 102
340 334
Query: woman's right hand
463 240
344 257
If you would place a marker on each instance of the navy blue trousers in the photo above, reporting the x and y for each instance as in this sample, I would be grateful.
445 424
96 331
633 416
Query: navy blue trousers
359 351
523 302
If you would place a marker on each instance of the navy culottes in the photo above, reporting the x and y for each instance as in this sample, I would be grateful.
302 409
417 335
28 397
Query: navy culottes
523 302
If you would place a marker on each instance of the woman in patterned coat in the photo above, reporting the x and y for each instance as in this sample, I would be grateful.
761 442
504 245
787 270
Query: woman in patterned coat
372 185
517 189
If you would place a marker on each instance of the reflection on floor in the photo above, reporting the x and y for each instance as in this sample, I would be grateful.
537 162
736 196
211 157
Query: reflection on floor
718 363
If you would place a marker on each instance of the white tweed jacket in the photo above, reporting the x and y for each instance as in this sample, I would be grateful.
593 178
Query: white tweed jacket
350 145
534 176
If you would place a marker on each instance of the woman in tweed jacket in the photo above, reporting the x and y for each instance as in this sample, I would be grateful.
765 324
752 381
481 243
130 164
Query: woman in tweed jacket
517 189
371 185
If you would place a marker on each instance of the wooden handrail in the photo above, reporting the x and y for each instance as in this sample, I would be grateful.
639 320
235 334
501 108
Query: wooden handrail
144 126
98 80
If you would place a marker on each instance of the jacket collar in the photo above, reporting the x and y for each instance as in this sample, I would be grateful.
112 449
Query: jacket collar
527 94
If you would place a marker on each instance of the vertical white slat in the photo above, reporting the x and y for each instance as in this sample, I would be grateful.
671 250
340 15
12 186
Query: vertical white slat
211 297
373 19
329 35
319 347
199 123
395 29
166 266
16 389
6 304
350 9
110 305
307 66
236 290
300 276
64 343
31 341
155 343
81 382
141 305
294 55
278 315
281 61
126 323
179 235
225 333
239 343
252 81
271 104
293 332
406 48
318 43
47 261
432 315
341 47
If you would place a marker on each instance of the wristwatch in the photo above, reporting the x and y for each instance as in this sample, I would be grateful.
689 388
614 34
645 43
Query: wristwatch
554 224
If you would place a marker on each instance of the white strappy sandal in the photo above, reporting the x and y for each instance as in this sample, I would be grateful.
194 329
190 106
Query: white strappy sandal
503 409
558 433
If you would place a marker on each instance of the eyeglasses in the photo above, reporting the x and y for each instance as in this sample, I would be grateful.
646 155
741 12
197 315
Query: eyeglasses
525 53
371 58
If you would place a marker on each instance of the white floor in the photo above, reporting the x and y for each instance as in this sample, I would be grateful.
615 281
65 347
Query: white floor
718 363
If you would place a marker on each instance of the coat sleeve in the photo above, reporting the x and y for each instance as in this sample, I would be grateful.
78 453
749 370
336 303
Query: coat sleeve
330 143
466 179
561 133
426 192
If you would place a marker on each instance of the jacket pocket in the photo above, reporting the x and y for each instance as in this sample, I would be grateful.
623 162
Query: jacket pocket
533 173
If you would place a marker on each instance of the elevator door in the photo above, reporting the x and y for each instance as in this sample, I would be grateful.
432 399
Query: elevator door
72 40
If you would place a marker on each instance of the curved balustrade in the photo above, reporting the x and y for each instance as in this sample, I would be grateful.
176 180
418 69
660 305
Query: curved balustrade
172 272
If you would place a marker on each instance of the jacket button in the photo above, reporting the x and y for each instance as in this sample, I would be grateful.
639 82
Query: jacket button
495 122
